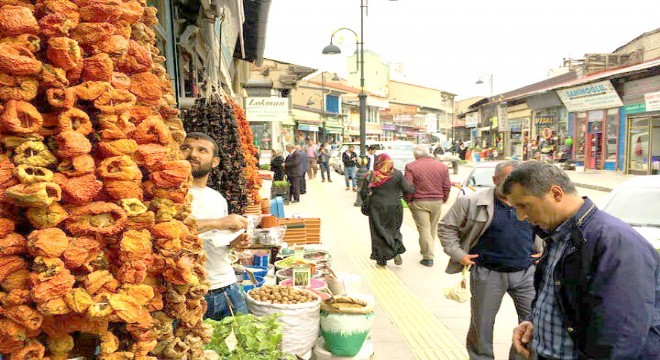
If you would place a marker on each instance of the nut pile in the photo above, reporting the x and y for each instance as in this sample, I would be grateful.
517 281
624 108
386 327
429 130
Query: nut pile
278 294
93 189
212 117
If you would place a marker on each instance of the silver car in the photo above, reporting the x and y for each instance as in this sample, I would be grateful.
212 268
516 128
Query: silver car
335 162
637 202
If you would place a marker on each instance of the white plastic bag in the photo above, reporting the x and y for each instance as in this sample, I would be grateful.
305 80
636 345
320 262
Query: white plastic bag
460 291
300 322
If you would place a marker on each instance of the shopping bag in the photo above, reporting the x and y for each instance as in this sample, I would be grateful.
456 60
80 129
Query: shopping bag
460 291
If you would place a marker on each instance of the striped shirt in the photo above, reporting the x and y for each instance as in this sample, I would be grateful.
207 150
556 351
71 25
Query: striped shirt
550 337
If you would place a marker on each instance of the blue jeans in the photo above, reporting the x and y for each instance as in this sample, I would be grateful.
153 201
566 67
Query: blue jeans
219 302
350 172
325 169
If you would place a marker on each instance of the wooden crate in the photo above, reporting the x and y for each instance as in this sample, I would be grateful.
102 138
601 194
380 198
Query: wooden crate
310 233
253 210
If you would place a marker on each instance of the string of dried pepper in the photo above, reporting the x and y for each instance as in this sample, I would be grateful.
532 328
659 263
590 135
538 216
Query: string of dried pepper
212 117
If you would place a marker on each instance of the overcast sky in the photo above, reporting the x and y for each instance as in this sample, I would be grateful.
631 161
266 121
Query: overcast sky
449 44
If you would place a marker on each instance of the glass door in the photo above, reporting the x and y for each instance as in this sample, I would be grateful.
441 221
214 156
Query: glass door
655 146
638 145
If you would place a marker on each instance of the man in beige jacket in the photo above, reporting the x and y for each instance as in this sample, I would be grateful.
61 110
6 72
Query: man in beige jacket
482 230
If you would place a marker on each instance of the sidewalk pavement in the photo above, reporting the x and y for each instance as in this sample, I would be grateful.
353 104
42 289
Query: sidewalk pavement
413 319
600 180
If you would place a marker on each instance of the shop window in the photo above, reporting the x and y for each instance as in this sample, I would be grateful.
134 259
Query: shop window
638 141
611 135
332 104
580 130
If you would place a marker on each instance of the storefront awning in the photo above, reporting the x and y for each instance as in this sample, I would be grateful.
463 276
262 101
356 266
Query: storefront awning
307 127
333 130
289 122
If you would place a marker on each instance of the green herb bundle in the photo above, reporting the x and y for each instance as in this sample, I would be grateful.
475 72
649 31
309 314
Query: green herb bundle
247 337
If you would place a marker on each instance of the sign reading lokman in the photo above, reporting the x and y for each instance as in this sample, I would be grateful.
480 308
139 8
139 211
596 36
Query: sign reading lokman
600 95
267 109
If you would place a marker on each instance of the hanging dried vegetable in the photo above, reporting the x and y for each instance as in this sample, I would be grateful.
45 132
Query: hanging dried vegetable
212 117
91 186
251 171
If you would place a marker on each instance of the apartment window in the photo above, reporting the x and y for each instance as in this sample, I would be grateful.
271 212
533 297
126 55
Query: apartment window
332 103
372 115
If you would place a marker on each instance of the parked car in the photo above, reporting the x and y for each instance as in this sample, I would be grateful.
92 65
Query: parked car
401 152
480 178
335 162
637 202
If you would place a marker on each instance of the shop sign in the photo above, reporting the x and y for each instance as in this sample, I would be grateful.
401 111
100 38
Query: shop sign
642 86
634 108
544 119
389 127
267 109
652 101
600 95
503 119
471 120
305 127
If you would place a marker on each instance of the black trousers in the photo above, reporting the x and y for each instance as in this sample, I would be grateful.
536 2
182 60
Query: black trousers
294 187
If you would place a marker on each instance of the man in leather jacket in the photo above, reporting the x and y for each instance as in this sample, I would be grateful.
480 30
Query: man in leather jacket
598 282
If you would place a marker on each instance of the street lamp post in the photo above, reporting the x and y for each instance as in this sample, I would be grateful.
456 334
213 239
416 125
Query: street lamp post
490 133
362 96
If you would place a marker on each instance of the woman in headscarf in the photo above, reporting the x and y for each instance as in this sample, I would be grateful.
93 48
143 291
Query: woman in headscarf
385 185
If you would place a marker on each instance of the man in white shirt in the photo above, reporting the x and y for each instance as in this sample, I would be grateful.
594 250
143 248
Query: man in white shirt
371 157
209 208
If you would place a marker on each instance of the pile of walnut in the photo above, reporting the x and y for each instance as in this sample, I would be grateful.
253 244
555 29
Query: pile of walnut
93 190
278 294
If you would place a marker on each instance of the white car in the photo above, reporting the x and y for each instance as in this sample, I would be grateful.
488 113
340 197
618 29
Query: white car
335 162
480 178
637 202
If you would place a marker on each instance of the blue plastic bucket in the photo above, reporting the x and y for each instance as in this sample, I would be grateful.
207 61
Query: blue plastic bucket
249 285
477 157
258 271
261 260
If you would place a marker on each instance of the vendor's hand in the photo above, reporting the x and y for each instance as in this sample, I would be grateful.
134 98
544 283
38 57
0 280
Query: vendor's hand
241 242
537 256
522 335
467 259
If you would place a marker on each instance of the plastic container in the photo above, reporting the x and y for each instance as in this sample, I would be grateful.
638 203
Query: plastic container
321 352
248 285
258 271
284 274
261 260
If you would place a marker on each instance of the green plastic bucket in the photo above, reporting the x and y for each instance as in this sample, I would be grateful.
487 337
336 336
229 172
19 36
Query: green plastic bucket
344 334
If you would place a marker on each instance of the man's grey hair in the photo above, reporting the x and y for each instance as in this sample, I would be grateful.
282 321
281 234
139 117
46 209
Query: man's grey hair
537 178
421 151
513 164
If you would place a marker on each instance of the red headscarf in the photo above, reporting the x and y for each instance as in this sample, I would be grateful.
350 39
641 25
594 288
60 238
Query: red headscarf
383 171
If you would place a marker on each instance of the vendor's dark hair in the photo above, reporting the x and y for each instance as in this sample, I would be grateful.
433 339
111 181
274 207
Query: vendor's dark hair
202 136
537 178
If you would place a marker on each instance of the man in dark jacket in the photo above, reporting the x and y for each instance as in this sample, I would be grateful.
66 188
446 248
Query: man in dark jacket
598 282
349 158
294 171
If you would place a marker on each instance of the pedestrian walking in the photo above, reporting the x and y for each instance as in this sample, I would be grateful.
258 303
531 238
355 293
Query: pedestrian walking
349 158
304 164
276 166
438 151
430 178
311 151
502 251
462 150
383 189
324 162
371 156
294 171
209 209
598 281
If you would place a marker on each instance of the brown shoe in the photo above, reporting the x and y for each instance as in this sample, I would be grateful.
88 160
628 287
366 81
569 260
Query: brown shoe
347 188
355 189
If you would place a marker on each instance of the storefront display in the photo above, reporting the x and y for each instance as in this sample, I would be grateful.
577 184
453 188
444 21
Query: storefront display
94 244
642 123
